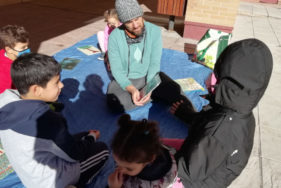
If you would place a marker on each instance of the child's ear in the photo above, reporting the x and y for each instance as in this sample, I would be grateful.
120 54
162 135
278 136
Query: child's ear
8 49
36 90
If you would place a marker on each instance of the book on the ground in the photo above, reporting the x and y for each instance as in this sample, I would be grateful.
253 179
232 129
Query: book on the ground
150 86
5 166
89 49
69 63
189 84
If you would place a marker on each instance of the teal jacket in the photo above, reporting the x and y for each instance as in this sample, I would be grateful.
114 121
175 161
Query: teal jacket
144 58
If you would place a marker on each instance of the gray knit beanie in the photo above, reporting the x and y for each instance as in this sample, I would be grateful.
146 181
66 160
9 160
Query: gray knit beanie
128 10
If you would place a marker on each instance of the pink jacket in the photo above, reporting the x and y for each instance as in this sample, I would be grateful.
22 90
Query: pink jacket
107 31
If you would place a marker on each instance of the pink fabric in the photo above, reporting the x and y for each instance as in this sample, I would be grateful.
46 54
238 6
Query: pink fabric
213 81
107 31
5 75
103 38
173 142
178 184
210 83
100 36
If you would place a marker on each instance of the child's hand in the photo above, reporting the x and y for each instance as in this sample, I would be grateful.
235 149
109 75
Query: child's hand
175 106
94 133
115 180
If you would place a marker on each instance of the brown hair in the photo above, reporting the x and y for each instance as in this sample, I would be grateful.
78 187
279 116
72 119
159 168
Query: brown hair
110 13
136 141
12 34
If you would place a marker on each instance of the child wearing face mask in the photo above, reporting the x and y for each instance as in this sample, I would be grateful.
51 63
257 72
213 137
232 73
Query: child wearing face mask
14 41
142 160
111 18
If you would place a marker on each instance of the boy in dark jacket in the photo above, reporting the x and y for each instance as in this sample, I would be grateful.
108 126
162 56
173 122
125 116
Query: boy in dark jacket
221 138
35 138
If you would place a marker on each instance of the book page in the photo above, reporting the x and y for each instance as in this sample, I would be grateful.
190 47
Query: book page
189 84
150 86
69 63
89 49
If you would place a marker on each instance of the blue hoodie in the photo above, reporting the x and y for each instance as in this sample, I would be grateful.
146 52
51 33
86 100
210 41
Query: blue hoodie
38 144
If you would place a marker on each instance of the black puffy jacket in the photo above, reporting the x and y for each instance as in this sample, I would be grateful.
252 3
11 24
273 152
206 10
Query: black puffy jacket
221 139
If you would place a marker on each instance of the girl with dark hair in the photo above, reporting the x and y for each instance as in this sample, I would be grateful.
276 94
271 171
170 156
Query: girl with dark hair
142 160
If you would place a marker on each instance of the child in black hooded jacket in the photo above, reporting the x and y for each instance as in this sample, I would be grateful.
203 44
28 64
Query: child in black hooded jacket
220 139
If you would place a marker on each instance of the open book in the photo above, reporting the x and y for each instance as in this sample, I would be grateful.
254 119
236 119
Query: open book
89 49
150 86
69 63
189 84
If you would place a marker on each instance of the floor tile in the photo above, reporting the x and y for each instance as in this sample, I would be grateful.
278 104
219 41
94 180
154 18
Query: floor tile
259 11
270 143
250 176
269 105
271 173
274 12
245 9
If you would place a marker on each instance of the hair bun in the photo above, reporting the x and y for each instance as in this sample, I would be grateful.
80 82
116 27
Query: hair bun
124 120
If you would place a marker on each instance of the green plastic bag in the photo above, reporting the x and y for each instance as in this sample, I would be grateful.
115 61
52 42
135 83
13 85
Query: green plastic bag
210 46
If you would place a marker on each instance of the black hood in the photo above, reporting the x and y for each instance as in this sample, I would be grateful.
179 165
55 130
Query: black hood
243 71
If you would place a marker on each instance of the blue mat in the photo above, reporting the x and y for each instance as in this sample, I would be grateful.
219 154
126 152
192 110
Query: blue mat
11 181
85 102
85 87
